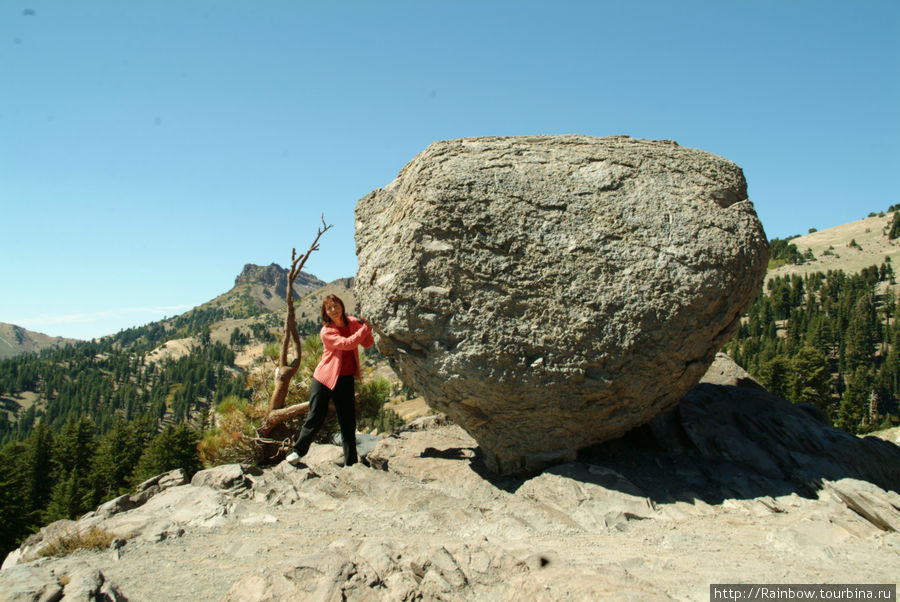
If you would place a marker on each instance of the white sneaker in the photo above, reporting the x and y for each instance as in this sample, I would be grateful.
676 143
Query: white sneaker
293 458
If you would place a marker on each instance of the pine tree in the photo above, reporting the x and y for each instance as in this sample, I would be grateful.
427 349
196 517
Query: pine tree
888 306
39 467
118 453
781 298
175 447
894 232
855 401
860 337
776 376
14 504
816 336
811 379
72 494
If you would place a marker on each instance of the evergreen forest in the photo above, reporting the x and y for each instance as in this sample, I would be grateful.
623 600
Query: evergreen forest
828 339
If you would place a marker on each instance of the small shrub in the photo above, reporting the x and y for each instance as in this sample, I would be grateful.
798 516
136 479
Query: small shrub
371 396
229 442
220 446
887 423
272 352
92 539
386 421
784 252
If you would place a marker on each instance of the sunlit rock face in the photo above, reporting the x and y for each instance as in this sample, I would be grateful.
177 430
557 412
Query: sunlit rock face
551 292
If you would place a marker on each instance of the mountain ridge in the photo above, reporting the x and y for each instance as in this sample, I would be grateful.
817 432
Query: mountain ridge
15 340
257 291
245 320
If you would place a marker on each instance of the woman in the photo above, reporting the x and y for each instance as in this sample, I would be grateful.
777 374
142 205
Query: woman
333 378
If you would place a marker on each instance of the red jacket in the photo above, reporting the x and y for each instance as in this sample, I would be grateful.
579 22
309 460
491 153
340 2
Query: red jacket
330 365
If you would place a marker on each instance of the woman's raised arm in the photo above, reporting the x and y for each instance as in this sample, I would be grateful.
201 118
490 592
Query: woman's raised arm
332 339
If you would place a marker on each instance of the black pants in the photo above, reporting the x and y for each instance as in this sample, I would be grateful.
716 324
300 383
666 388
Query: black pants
344 403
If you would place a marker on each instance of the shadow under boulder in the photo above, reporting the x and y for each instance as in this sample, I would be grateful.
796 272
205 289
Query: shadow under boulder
725 441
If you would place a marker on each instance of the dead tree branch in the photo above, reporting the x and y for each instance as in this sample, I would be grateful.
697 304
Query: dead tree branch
286 370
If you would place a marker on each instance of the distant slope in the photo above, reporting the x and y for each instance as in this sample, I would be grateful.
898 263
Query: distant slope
256 305
833 251
310 306
172 370
307 310
258 291
15 340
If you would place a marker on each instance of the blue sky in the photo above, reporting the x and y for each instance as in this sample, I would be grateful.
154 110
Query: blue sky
148 150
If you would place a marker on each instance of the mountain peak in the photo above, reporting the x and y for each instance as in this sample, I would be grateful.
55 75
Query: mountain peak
276 276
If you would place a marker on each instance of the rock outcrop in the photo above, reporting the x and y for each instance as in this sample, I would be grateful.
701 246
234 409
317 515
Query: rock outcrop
274 275
729 440
551 292
273 278
34 583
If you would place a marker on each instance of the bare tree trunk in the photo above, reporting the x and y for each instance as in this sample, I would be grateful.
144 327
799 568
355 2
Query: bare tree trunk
278 414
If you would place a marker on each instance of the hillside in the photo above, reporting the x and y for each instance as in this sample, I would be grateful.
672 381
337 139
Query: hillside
172 370
255 309
135 398
824 329
15 340
833 249
248 316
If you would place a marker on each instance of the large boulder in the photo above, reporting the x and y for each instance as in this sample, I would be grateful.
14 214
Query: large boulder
551 292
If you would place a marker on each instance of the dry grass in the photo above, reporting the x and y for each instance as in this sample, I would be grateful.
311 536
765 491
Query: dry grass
872 246
92 539
174 350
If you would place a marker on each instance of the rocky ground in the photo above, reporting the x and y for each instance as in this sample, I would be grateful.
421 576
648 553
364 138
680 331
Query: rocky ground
421 522
892 435
733 486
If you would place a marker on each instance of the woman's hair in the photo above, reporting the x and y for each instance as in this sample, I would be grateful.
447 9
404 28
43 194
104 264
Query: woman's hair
325 318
